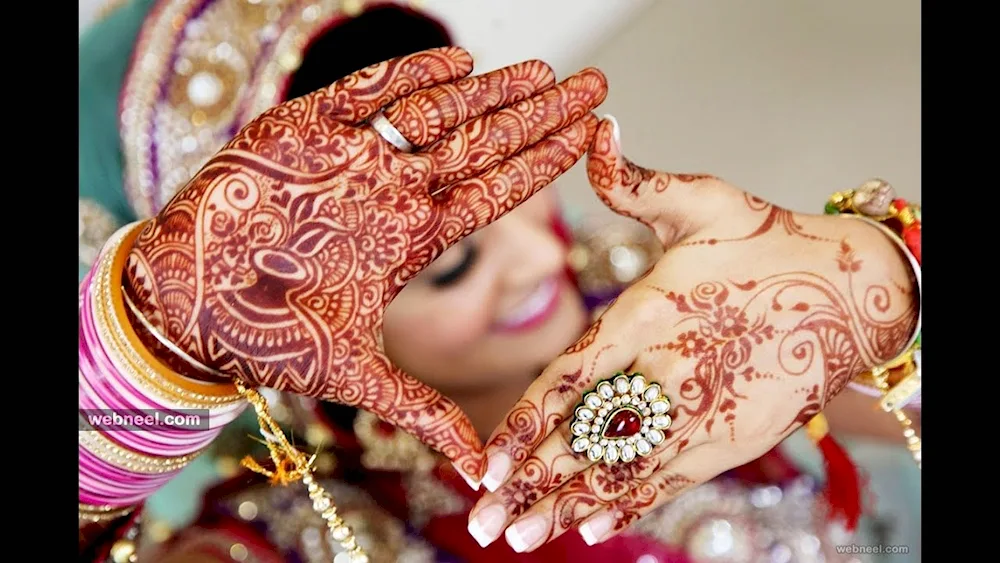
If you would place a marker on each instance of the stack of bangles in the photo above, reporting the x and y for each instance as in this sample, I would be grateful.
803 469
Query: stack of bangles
128 446
895 384
141 422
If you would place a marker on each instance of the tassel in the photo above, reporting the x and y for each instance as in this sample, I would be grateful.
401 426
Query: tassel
843 483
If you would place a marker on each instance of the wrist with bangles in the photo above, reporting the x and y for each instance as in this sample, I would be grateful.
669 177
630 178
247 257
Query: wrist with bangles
120 467
897 383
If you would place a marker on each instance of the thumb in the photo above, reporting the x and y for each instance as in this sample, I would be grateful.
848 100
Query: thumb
673 205
416 408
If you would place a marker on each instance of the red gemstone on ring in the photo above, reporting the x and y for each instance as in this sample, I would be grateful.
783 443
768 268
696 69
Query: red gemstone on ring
623 423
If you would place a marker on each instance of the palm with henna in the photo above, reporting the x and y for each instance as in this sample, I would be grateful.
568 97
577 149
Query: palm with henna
750 323
275 263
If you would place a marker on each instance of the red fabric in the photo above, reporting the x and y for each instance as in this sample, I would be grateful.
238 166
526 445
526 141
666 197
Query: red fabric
843 483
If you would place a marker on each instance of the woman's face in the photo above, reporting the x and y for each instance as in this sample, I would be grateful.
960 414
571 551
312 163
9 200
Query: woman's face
493 310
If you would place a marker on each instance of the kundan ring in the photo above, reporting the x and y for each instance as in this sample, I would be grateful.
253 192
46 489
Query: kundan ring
388 131
622 418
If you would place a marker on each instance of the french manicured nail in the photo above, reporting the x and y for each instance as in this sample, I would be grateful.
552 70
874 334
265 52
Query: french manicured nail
616 131
488 523
526 533
593 530
469 480
496 471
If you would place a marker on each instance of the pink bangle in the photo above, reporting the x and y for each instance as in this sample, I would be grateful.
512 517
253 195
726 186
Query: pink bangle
123 467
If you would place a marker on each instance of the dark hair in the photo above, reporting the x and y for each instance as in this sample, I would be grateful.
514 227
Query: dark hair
378 34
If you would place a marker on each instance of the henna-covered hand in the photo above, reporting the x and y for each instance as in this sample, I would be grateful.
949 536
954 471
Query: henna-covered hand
752 320
276 262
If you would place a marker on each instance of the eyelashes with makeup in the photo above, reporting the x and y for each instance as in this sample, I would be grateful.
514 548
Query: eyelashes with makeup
455 274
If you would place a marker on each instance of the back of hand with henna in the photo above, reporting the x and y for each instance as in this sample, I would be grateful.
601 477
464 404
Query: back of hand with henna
753 319
275 263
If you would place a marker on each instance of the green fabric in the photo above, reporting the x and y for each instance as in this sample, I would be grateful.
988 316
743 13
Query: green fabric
105 50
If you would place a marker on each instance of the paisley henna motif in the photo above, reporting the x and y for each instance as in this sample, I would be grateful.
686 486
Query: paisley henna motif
276 262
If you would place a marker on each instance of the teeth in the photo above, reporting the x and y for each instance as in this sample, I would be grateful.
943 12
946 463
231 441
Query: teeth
533 304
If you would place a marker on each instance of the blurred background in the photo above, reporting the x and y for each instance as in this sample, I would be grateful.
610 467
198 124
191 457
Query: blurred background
789 99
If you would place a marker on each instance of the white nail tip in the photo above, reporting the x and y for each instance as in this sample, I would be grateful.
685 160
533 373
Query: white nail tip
491 484
515 540
480 536
469 480
587 534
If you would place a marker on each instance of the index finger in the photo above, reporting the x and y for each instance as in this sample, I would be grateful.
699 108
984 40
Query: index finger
550 400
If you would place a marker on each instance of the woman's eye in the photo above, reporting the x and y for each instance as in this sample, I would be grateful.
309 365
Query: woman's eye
455 273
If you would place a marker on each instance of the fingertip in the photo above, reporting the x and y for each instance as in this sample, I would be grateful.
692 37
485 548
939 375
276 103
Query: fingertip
546 77
591 122
595 74
460 56
616 132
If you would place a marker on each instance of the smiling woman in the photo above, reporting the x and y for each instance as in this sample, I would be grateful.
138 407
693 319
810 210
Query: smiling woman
285 282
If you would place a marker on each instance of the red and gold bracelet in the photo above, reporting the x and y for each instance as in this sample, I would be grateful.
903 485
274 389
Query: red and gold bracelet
896 383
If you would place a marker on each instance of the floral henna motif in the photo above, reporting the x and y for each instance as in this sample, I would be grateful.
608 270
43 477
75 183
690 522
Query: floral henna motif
825 330
592 489
276 262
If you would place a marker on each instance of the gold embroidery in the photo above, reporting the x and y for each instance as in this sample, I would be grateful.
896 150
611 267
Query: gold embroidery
387 448
97 224
198 76
293 525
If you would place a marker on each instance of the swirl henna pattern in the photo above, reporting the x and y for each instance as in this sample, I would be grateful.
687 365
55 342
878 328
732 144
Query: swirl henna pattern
276 262
751 326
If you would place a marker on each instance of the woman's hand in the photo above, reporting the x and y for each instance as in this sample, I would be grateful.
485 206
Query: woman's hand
752 320
276 262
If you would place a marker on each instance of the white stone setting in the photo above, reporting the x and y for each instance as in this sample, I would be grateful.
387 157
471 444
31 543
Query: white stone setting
622 393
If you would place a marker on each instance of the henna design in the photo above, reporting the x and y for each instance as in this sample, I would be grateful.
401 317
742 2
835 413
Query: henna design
646 497
586 340
427 115
776 217
839 335
528 423
589 491
276 262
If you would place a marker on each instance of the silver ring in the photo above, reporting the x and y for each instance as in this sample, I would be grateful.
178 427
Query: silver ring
381 123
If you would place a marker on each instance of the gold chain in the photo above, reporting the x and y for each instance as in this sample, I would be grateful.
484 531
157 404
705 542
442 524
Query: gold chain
881 377
291 465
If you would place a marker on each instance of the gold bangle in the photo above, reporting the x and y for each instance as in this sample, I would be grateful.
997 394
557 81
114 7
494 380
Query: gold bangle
94 514
128 352
101 446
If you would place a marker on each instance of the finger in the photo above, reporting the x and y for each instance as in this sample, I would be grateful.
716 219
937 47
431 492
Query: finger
673 205
682 473
357 96
427 115
484 142
527 445
609 345
568 505
472 204
414 407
